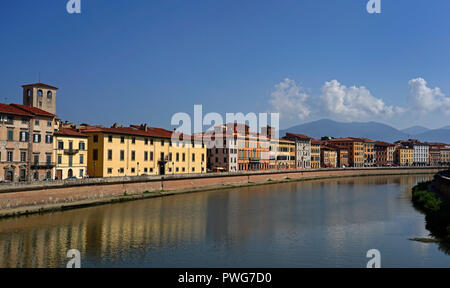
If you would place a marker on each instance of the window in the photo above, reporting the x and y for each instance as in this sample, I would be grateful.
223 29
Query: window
36 122
109 170
151 141
110 155
9 156
70 160
162 143
81 159
178 157
95 155
122 155
48 139
82 146
170 157
24 121
37 138
110 139
133 155
95 138
145 170
29 92
146 141
122 139
133 140
23 156
121 170
151 156
203 157
193 157
36 158
145 156
49 158
59 159
60 145
23 136
133 170
49 94
49 123
40 93
184 157
193 169
10 135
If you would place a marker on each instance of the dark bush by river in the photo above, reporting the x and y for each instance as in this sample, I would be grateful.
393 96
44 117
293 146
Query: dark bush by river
436 210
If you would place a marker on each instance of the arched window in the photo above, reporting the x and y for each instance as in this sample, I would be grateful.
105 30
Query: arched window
29 92
40 93
49 94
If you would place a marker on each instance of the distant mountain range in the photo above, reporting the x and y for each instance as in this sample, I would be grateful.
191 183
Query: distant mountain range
371 130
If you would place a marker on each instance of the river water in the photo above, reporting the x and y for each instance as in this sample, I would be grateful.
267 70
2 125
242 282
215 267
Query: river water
331 223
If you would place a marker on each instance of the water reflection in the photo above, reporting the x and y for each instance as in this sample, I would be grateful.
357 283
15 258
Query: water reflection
314 223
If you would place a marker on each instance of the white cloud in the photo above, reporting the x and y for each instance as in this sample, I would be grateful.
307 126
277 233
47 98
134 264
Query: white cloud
289 100
426 99
353 103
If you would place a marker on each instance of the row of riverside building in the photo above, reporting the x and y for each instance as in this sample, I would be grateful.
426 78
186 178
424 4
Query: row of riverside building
36 146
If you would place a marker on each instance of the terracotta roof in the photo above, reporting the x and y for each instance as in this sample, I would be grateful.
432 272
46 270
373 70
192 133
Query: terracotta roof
69 132
133 130
10 109
316 142
297 136
34 110
40 85
346 139
381 143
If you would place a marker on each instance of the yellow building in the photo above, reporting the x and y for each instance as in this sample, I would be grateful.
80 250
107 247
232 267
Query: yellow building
285 155
141 150
369 152
404 156
70 153
315 154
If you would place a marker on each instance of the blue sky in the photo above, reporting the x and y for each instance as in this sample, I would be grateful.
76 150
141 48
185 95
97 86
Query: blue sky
142 61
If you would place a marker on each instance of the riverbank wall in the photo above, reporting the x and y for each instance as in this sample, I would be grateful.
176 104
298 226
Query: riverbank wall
442 183
27 198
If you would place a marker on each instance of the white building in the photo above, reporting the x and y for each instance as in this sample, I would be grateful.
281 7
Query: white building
302 150
421 154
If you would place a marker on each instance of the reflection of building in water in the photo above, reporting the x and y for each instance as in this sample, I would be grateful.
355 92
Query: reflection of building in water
43 240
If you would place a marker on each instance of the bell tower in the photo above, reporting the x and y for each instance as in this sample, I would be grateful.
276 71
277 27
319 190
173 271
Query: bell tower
40 96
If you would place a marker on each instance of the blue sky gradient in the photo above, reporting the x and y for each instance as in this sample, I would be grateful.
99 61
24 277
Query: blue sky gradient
142 61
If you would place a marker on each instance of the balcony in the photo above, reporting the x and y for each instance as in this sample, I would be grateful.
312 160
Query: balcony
42 165
71 151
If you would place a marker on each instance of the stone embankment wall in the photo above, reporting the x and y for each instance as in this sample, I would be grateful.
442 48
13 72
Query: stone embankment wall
24 198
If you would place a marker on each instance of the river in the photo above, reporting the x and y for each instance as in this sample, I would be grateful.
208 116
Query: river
326 223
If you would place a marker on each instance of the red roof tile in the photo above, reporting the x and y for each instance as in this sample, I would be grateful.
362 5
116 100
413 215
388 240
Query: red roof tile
297 136
149 132
40 85
10 109
69 132
34 110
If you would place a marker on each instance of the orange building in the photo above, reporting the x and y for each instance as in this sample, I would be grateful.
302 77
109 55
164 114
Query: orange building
354 146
